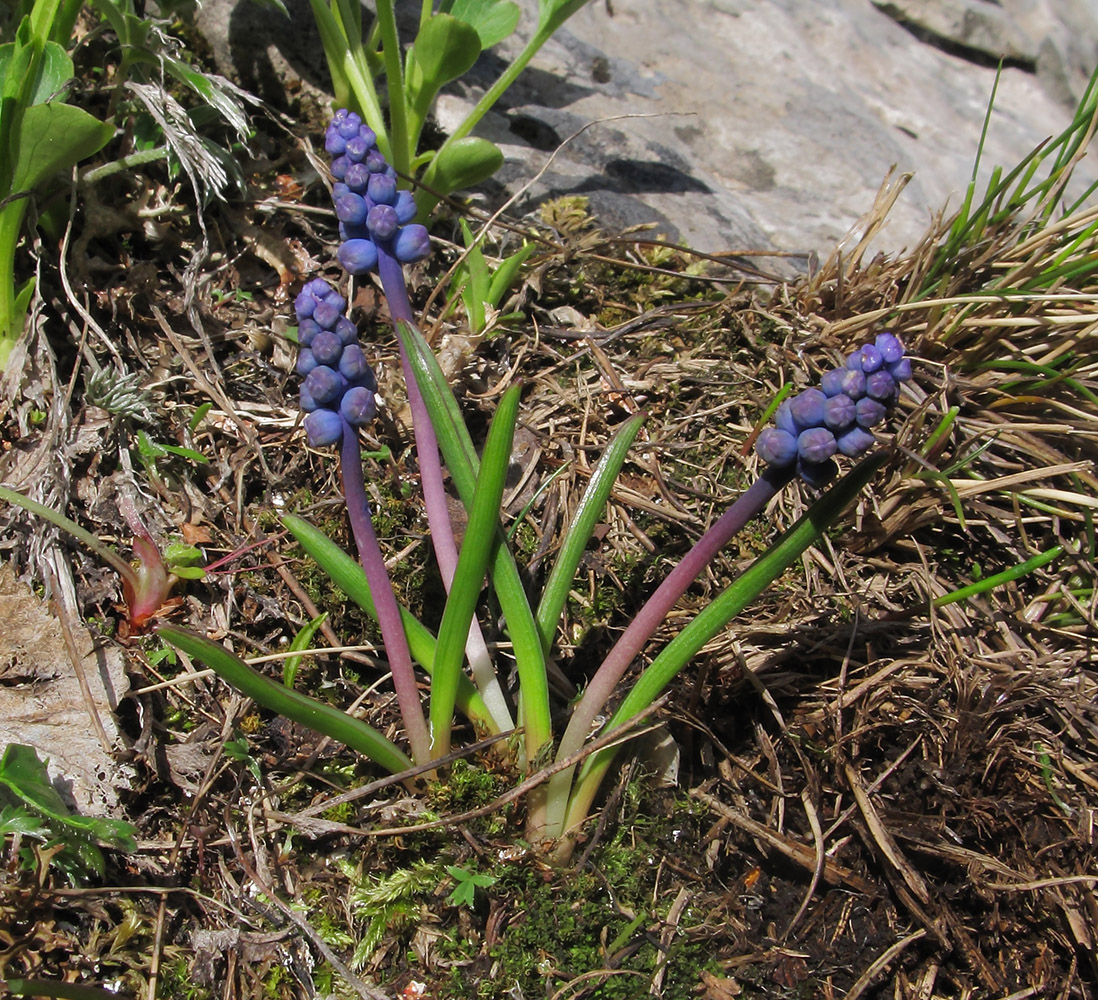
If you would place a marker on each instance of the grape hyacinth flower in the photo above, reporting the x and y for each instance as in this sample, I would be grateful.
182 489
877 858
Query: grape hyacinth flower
838 417
339 385
375 219
811 428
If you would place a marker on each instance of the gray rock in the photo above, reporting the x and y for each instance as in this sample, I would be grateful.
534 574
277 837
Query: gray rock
751 124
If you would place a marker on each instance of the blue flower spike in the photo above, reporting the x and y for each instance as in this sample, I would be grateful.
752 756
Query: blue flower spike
339 385
838 417
373 215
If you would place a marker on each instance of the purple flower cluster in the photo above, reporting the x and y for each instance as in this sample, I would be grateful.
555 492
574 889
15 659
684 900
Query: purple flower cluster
837 417
372 213
339 383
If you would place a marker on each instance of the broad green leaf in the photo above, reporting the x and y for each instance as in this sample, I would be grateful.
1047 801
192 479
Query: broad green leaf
54 138
507 272
315 715
494 20
464 163
347 574
444 49
54 70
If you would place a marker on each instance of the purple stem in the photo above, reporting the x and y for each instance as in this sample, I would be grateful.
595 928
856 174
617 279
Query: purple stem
381 589
607 678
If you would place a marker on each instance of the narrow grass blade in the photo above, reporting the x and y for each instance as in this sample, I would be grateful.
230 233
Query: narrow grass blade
590 509
998 579
317 716
481 536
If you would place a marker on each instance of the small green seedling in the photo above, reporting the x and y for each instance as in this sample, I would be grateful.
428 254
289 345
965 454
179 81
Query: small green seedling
481 287
466 884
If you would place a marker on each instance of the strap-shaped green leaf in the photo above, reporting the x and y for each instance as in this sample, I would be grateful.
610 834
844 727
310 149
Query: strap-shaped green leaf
457 449
590 509
481 536
315 715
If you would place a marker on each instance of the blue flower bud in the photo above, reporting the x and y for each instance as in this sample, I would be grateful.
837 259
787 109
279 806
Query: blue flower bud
346 331
854 384
855 442
318 288
304 304
890 346
871 359
817 474
306 362
405 206
327 313
900 370
870 412
382 190
327 348
356 177
357 148
382 222
839 412
776 447
338 168
339 189
351 208
323 427
807 408
412 243
306 401
358 256
783 418
816 445
324 385
349 125
354 367
881 386
831 384
335 144
854 362
358 406
375 162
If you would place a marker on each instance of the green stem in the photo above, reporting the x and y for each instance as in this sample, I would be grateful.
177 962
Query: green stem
108 555
11 316
401 155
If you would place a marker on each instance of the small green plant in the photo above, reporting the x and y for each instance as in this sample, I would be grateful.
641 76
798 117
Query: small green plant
31 808
481 287
40 137
448 42
466 884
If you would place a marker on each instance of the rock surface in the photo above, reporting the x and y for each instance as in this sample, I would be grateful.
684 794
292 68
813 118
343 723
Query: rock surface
748 124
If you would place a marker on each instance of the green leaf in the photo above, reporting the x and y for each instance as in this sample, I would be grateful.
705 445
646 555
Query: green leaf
506 274
481 536
54 71
315 715
302 641
464 163
54 138
444 49
590 509
493 20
